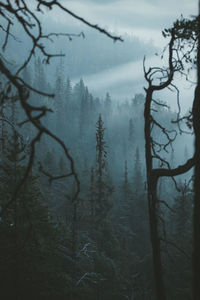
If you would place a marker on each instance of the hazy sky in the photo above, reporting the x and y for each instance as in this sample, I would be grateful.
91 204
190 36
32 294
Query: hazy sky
143 18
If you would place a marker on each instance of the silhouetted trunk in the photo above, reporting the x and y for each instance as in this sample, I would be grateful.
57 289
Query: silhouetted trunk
196 220
152 201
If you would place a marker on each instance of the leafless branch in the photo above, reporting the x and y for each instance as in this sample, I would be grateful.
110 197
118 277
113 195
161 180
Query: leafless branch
50 5
51 177
177 248
21 13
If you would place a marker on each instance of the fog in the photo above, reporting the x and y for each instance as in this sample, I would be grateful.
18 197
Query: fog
78 228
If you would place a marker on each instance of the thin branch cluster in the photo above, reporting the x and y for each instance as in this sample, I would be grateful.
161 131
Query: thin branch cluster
21 12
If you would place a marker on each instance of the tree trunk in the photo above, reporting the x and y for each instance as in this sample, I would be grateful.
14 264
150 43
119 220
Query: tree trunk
196 216
155 240
152 201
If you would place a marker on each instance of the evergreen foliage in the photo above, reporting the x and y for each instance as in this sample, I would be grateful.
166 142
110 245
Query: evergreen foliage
99 247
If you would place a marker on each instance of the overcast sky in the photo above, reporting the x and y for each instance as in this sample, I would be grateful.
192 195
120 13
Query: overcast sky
143 18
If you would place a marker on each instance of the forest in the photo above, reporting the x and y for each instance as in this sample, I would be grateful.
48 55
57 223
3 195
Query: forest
99 194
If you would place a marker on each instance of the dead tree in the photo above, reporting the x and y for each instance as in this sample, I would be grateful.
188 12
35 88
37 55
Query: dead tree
164 78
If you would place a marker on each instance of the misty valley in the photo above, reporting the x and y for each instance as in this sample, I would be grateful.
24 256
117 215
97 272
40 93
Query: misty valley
97 246
99 154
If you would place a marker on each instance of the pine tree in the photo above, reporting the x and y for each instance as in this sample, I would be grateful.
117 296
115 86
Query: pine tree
60 100
92 194
183 213
137 177
102 187
31 266
84 109
125 197
108 106
126 185
68 97
181 240
131 132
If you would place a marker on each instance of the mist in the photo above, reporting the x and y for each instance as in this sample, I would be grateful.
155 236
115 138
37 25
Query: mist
75 207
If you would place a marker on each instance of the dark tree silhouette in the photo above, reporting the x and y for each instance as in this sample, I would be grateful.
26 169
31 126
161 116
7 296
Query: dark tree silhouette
196 214
177 56
103 190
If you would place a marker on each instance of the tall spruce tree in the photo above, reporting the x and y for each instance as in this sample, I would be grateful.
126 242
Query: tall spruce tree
138 185
131 132
103 190
31 265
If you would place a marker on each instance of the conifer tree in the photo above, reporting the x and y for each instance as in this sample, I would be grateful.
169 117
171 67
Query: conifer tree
31 266
68 97
84 108
103 190
126 185
131 132
137 177
125 197
92 194
108 106
180 243
183 213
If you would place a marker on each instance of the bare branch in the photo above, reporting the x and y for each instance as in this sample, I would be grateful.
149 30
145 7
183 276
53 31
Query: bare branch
94 26
51 177
177 248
